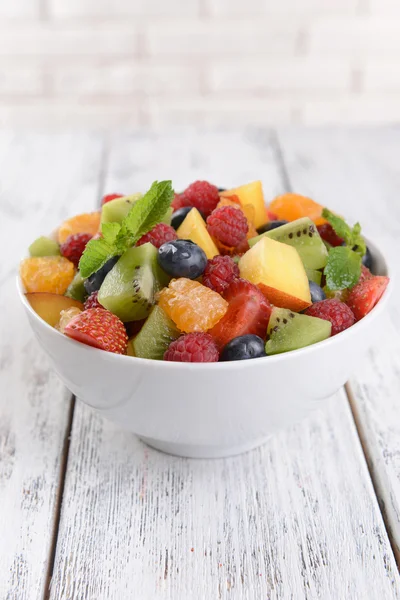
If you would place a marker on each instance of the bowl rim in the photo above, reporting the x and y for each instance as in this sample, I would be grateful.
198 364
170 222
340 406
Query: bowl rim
235 364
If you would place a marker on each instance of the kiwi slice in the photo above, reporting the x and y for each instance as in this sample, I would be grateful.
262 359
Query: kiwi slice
116 210
167 217
129 289
155 336
314 275
44 246
76 289
303 235
288 330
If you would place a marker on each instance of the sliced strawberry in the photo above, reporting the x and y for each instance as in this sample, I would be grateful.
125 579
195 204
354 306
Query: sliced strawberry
365 274
248 312
365 295
329 235
99 328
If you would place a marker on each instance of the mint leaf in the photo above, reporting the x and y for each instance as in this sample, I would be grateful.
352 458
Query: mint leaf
339 225
359 244
343 268
96 254
148 211
110 231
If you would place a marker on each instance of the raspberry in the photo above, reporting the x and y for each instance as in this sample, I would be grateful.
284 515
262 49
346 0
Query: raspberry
338 313
365 274
329 235
99 328
193 347
74 246
160 234
179 201
202 195
110 197
219 273
228 225
272 216
92 301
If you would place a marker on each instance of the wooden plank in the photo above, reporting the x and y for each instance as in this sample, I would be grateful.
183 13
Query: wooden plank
357 173
43 180
296 518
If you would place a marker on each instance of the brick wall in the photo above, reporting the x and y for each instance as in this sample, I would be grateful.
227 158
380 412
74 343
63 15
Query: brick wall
215 62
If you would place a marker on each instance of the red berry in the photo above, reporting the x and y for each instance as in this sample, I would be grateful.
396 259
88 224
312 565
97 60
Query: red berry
110 197
272 216
219 273
193 347
202 195
328 234
179 201
99 328
248 313
157 236
92 301
74 246
365 274
228 225
334 311
365 295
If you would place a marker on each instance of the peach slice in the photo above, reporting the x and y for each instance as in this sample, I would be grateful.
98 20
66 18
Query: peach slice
49 306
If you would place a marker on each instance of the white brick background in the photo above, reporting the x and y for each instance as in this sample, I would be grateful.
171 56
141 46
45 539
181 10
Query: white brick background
110 63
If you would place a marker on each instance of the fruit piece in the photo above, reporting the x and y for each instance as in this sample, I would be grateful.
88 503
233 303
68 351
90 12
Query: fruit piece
44 246
270 225
294 206
192 306
334 311
93 283
129 289
51 274
364 296
202 195
248 313
179 216
365 274
290 331
109 197
182 258
133 327
155 336
341 295
85 223
129 348
74 246
251 193
168 216
179 201
220 271
194 228
271 216
92 301
76 289
193 347
314 275
98 328
317 293
367 259
244 347
66 316
159 235
329 235
302 235
228 225
49 306
278 271
116 210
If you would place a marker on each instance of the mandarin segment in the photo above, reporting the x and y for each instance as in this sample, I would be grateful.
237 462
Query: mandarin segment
51 274
290 207
191 305
84 223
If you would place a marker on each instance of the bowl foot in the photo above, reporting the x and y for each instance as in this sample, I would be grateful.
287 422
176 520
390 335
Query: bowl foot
198 451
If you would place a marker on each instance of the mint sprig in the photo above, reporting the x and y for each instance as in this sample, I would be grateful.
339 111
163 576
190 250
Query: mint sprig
143 216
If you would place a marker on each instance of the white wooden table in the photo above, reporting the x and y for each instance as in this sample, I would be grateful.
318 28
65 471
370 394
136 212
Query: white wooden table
88 512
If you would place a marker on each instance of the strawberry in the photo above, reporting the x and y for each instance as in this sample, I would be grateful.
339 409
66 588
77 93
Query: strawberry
110 197
365 295
99 328
248 313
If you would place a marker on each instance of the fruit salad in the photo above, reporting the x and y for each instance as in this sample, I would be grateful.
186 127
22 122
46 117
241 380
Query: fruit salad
205 275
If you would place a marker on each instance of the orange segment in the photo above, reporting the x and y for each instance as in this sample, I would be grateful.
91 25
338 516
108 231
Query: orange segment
85 223
191 305
294 206
51 274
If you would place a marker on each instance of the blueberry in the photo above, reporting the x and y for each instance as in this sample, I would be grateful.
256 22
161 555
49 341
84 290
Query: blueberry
222 189
182 258
271 225
180 214
317 293
367 259
243 348
93 283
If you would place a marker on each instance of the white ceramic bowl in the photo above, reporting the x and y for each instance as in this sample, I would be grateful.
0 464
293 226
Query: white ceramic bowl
215 409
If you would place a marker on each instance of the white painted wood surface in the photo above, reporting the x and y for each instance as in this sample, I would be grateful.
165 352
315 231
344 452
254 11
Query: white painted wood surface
358 173
297 518
42 180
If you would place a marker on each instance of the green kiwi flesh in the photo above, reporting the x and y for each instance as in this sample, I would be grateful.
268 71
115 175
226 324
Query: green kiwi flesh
76 289
155 336
116 210
303 235
314 275
288 330
129 289
44 246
